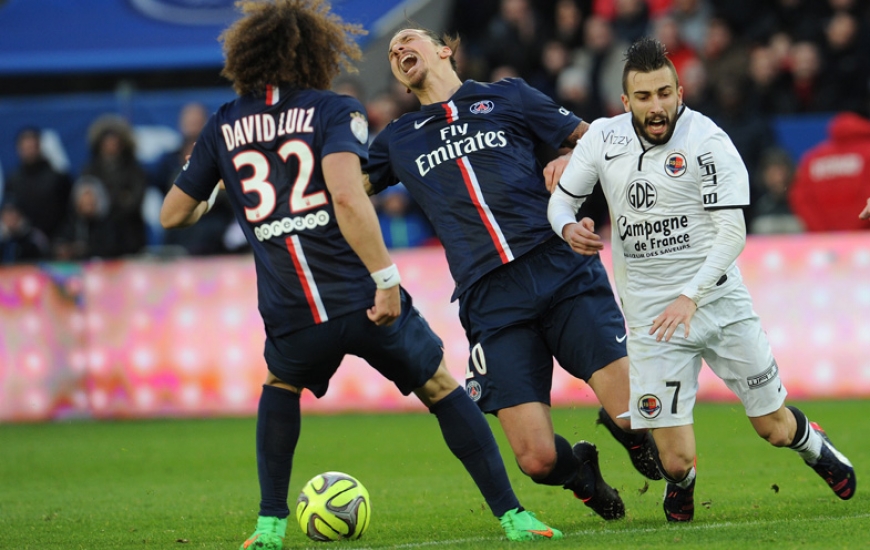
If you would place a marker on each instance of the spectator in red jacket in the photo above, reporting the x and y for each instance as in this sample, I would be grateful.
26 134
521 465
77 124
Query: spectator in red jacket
834 176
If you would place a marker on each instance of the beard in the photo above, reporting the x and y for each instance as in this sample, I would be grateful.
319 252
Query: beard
641 127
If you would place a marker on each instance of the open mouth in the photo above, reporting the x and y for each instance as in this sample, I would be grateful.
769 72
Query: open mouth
657 125
407 62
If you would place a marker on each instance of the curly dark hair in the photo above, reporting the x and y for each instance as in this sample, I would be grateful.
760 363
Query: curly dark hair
645 56
293 42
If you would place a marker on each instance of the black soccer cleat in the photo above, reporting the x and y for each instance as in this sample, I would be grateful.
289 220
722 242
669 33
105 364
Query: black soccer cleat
593 490
640 446
679 504
834 468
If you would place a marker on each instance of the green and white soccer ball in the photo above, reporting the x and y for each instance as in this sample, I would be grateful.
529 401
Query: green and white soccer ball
333 506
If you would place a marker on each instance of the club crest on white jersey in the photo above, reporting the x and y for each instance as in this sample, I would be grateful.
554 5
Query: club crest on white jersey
675 165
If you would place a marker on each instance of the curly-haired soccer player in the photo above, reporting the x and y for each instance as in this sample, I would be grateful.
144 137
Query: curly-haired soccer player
288 151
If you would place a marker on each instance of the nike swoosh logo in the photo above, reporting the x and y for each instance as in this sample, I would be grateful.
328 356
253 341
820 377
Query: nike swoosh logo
608 157
419 124
548 533
621 340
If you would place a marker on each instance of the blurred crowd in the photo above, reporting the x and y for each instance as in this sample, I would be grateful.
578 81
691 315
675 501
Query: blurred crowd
111 208
741 62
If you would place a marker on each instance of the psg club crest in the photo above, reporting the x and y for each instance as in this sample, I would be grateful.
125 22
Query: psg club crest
649 406
359 127
676 165
473 389
482 107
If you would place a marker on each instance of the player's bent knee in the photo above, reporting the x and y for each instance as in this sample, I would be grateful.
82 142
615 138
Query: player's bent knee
676 466
536 465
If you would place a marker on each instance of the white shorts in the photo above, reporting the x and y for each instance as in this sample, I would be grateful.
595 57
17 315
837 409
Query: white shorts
727 335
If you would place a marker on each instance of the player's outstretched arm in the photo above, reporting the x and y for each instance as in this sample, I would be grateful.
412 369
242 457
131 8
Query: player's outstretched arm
181 210
865 214
359 225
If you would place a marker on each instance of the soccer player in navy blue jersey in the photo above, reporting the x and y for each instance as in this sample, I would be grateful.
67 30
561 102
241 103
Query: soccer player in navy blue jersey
468 158
288 153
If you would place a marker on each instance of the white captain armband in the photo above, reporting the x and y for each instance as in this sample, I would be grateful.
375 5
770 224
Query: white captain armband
387 277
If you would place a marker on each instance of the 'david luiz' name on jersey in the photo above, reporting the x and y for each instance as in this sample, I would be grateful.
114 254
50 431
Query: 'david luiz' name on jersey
267 148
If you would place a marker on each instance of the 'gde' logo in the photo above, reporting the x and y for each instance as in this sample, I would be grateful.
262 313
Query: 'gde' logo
641 195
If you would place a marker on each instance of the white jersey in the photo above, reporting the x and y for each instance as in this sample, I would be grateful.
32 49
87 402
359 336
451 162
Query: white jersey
660 200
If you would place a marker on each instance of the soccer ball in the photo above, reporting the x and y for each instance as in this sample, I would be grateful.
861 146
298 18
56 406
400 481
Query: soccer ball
333 506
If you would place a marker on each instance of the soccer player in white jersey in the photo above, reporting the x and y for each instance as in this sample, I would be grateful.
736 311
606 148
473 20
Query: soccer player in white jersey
675 186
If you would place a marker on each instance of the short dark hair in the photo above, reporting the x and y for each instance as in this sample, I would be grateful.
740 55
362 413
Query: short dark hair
645 56
296 42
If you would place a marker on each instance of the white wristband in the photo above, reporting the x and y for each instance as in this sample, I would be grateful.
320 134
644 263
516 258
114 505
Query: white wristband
212 198
387 277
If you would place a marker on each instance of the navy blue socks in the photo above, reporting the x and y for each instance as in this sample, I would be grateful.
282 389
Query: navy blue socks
278 424
469 437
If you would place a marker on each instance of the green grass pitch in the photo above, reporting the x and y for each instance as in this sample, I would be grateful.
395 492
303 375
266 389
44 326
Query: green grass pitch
185 484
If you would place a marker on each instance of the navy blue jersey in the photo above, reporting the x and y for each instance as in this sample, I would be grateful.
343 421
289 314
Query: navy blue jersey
470 163
267 148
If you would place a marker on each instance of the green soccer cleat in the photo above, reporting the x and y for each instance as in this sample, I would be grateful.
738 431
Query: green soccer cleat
269 534
524 526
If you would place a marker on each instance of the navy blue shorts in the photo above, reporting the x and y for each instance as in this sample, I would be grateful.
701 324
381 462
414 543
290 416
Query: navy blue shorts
550 302
407 352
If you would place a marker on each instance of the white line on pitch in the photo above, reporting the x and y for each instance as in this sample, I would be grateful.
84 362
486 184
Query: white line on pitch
588 532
